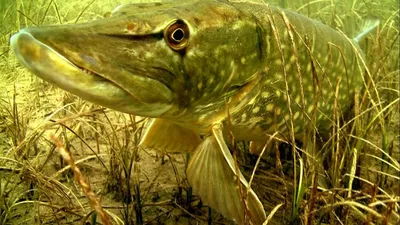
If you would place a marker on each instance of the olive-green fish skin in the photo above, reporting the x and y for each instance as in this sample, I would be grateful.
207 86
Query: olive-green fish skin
318 62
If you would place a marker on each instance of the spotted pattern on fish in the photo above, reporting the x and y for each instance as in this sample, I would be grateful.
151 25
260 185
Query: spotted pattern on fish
316 59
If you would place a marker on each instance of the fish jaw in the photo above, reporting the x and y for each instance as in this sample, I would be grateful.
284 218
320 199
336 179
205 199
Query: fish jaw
84 81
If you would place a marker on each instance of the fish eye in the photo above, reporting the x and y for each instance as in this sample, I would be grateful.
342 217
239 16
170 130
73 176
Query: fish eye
177 35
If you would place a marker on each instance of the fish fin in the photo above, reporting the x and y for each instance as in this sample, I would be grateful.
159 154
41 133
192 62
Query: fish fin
163 135
368 26
212 174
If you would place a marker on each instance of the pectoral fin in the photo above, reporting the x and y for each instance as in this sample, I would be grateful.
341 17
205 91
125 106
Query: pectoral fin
163 135
212 174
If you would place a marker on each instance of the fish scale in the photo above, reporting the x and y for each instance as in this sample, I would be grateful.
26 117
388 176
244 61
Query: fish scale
323 55
200 70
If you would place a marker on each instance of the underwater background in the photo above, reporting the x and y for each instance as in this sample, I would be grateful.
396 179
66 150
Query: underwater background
134 186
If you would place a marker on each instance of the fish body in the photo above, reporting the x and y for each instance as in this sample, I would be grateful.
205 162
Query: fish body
203 68
322 67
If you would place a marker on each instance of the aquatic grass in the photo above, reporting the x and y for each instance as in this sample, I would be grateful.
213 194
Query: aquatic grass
7 198
36 163
349 154
27 147
82 181
119 181
297 186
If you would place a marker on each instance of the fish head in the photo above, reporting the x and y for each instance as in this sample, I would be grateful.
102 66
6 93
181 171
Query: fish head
149 59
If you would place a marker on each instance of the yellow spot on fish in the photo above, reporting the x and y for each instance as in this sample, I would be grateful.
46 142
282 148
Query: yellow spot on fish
265 94
278 93
211 80
289 79
308 67
310 109
293 89
256 109
296 115
202 117
148 54
292 59
288 66
283 122
243 60
278 111
270 107
296 129
297 99
254 55
285 97
244 117
199 85
277 76
254 120
285 34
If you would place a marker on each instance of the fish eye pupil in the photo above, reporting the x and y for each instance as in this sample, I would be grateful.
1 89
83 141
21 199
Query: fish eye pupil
178 35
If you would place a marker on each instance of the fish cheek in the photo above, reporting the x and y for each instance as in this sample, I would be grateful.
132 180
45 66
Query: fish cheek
218 59
204 77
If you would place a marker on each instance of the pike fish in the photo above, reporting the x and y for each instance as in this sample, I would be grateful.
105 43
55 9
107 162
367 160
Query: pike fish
200 70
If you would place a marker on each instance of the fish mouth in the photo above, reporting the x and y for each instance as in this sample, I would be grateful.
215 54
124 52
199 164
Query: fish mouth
48 64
